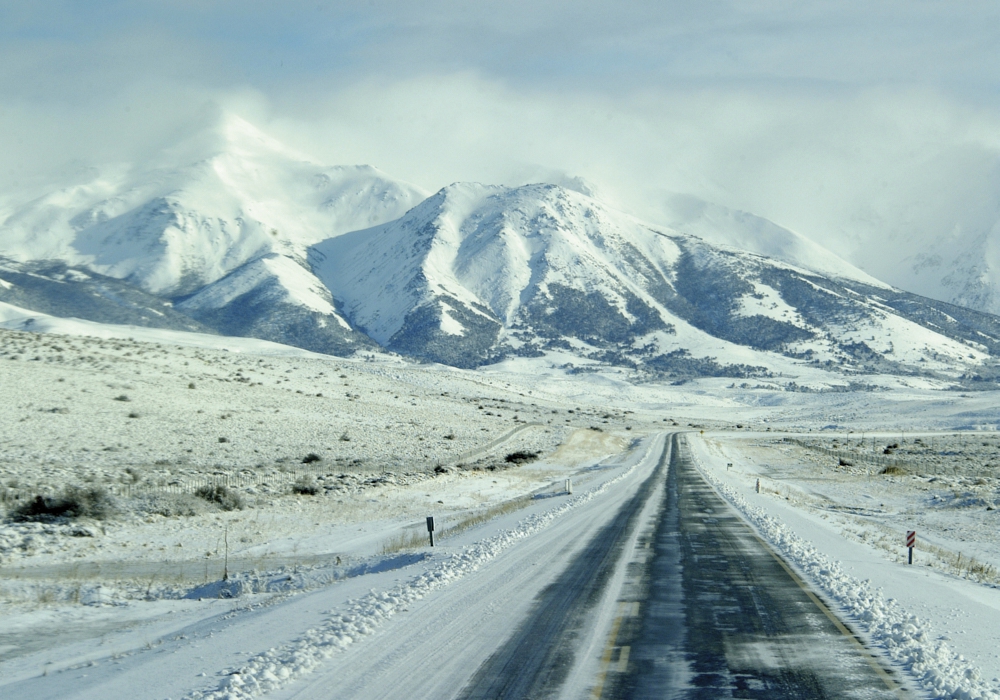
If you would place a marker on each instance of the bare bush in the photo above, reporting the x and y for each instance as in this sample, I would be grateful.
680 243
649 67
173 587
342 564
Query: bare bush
305 486
73 502
225 498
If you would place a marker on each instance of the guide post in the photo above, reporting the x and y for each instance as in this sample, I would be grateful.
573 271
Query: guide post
430 528
911 540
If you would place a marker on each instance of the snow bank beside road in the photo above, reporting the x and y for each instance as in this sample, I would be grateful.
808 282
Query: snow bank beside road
276 667
908 640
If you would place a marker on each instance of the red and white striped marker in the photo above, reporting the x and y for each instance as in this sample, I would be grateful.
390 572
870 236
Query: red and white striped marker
911 541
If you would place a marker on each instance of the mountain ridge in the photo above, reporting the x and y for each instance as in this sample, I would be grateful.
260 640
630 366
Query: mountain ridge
247 237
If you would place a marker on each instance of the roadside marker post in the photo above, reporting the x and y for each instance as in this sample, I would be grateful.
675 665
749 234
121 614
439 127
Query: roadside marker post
569 486
911 541
758 485
430 528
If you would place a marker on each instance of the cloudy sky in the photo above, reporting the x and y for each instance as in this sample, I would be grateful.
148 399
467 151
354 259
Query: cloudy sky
856 123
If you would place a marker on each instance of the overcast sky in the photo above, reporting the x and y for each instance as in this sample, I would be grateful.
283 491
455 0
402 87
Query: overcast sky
834 118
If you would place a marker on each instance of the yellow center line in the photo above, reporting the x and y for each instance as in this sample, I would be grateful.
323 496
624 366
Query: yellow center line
622 666
609 650
890 683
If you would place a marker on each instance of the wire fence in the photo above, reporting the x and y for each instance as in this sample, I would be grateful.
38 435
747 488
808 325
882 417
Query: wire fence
917 465
241 480
879 461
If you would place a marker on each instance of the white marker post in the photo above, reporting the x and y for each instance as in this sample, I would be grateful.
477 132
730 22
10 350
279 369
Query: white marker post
911 540
569 486
430 528
758 485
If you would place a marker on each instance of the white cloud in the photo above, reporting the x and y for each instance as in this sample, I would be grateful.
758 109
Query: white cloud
866 127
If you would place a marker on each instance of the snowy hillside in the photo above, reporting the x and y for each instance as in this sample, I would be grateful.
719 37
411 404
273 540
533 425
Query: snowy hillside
476 274
173 230
231 232
58 289
963 267
742 230
224 236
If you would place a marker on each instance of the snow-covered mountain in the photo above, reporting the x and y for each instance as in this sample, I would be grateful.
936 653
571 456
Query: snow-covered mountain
173 230
224 236
944 246
246 237
742 230
963 267
476 274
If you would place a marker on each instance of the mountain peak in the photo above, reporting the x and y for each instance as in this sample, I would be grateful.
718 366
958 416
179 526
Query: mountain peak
226 135
241 138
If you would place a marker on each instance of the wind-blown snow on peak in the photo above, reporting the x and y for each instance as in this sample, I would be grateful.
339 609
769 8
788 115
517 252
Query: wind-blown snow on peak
176 228
740 230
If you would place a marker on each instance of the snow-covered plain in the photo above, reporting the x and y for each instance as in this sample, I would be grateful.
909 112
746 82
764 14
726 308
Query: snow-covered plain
92 605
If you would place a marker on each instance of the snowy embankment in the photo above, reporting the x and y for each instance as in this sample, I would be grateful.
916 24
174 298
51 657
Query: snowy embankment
277 667
907 639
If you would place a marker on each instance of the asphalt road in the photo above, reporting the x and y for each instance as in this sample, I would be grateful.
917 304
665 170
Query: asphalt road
706 611
535 660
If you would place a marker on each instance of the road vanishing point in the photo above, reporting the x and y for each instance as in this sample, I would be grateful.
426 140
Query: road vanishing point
706 610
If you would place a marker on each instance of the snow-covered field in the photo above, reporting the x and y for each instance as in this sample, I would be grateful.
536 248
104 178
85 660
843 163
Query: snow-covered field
375 444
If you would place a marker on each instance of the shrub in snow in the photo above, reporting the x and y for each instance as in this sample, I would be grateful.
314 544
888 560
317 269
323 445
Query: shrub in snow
304 486
521 457
73 502
225 498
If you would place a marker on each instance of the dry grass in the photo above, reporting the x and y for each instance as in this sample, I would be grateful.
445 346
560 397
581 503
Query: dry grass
412 539
962 565
495 511
417 537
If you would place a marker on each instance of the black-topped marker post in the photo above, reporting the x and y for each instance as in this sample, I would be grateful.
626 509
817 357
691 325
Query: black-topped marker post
430 528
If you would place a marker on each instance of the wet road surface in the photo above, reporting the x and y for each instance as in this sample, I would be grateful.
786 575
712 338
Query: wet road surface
720 616
534 662
707 611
